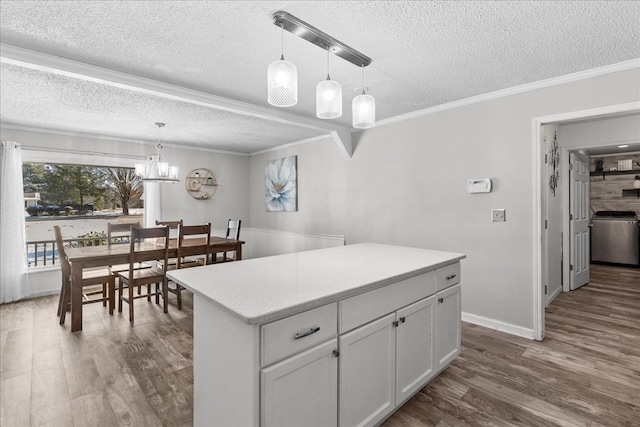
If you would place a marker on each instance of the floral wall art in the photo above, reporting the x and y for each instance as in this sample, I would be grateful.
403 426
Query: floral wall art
281 185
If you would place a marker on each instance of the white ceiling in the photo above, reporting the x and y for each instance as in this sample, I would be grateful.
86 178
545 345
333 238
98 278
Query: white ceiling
424 54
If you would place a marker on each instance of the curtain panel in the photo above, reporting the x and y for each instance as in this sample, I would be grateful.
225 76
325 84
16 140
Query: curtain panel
13 255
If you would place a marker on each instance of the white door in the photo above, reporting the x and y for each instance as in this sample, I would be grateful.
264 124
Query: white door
415 347
302 390
367 373
579 219
448 324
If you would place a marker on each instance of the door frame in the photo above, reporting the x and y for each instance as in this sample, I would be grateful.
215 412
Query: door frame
539 265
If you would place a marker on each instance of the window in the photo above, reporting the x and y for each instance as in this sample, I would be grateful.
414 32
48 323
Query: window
81 199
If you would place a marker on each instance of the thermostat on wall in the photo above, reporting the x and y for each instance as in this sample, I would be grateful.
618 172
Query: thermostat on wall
482 185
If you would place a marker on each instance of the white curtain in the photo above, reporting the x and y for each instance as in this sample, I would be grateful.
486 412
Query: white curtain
13 254
152 204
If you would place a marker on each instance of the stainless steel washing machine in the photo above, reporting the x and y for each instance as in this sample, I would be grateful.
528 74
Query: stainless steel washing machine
615 237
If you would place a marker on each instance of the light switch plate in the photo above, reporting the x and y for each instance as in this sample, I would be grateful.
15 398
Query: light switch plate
498 215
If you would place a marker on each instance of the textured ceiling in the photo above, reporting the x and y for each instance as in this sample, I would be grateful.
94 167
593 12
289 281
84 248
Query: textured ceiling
424 54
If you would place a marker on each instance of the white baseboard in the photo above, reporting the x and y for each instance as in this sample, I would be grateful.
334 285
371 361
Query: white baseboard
498 325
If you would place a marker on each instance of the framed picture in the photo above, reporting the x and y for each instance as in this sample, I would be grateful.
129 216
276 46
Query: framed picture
281 185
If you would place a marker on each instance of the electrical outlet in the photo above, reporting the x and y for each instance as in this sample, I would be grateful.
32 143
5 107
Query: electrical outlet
498 215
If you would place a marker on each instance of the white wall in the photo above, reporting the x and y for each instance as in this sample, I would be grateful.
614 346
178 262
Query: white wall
406 185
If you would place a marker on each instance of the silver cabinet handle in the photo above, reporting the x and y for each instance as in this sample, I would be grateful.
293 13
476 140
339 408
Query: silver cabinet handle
451 277
311 331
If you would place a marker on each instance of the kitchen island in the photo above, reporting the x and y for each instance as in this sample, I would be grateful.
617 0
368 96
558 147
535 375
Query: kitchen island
270 334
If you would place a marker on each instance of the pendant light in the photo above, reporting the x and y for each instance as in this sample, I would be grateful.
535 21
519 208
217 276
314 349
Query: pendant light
157 169
282 80
363 108
328 97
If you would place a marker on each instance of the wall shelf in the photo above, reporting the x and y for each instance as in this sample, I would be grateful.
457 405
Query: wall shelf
202 184
605 173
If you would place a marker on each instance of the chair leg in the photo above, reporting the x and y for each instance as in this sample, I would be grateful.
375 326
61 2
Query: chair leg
112 295
149 292
157 287
63 304
119 296
104 294
179 293
165 294
60 300
131 302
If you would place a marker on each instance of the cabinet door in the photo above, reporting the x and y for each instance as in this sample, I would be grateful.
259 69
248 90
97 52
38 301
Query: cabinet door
415 347
367 373
448 323
301 390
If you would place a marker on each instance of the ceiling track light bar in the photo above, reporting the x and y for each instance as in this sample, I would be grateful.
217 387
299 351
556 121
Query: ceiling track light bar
324 41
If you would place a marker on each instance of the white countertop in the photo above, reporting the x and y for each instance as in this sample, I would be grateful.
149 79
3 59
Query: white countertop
264 289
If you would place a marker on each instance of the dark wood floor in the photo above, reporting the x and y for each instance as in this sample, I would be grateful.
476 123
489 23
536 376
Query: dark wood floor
586 372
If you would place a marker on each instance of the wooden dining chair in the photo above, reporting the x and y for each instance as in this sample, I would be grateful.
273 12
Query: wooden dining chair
155 250
233 232
92 277
184 258
120 234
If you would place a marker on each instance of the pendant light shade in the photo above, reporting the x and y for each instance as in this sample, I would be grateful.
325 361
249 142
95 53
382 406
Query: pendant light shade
364 111
363 108
328 99
282 81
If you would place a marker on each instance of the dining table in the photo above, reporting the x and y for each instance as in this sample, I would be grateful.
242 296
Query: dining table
107 255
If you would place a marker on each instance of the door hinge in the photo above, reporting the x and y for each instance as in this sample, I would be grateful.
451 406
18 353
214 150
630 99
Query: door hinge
545 224
571 216
545 159
336 352
570 166
545 289
570 267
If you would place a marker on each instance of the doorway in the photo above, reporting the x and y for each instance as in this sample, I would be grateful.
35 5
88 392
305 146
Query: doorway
541 184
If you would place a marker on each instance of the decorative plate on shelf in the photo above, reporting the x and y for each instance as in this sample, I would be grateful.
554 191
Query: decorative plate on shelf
202 184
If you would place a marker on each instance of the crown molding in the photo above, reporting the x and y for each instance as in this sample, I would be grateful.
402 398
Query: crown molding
554 81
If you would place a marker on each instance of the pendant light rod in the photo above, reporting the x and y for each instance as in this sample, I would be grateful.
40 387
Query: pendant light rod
319 38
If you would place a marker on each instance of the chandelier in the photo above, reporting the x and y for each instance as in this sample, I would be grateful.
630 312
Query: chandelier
156 168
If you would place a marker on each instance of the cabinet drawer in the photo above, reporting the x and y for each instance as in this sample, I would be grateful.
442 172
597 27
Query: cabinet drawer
361 309
297 333
448 276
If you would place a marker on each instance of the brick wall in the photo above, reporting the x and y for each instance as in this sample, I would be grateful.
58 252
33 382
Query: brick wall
606 195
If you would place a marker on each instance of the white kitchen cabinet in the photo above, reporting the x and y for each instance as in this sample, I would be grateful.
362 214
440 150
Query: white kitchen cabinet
415 342
448 326
302 390
367 373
